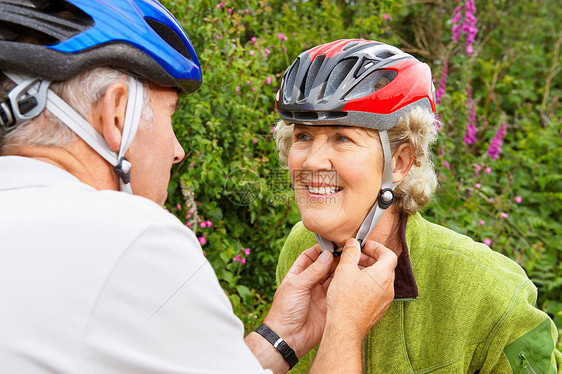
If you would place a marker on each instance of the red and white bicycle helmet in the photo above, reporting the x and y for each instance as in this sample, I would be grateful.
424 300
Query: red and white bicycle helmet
359 83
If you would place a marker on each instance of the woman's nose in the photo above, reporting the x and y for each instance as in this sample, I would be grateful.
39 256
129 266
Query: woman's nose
318 157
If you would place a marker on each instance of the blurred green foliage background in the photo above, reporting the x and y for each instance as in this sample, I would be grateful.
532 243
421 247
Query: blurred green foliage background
231 190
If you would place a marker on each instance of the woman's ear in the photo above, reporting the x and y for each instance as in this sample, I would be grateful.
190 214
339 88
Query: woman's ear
111 114
402 162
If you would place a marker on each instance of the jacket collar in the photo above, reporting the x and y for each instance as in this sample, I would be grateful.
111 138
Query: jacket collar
405 287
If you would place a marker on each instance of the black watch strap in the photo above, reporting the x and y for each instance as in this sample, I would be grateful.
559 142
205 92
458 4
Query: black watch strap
279 344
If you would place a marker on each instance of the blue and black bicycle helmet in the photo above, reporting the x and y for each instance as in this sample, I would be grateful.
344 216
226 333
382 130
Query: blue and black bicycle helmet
42 41
72 36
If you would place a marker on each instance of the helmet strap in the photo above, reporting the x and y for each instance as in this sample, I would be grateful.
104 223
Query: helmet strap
384 200
67 115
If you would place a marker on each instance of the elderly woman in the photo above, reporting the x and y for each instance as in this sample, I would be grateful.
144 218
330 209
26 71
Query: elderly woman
356 130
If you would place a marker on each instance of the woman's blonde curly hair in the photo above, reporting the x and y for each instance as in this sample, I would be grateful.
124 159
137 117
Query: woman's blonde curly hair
419 129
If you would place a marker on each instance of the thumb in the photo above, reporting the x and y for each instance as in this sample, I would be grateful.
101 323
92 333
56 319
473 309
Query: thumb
317 271
351 252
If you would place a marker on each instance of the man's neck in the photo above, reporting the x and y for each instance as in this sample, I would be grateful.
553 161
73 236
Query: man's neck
77 158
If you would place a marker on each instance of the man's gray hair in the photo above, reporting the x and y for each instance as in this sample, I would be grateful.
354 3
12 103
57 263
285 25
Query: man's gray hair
81 93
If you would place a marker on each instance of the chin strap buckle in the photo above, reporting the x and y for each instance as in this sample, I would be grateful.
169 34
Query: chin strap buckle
123 170
25 102
386 198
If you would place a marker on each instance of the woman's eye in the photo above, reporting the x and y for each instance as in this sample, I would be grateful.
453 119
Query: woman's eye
301 137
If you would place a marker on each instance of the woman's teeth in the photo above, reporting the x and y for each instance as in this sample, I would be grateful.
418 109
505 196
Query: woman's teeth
324 190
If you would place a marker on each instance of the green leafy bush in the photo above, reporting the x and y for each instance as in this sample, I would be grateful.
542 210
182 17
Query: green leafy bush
231 175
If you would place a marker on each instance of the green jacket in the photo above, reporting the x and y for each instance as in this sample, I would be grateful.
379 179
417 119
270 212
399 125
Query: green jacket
474 311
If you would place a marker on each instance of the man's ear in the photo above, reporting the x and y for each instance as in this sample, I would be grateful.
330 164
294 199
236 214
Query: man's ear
112 108
402 162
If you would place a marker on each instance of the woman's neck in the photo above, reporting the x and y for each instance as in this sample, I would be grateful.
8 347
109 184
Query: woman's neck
387 230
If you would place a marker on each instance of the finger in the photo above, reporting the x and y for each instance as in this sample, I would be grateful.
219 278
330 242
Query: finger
317 272
351 252
376 250
304 260
366 260
384 257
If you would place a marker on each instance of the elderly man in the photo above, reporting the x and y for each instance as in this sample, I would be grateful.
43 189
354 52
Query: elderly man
95 276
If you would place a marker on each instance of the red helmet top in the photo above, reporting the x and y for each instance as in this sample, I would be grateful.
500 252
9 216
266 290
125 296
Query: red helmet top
354 82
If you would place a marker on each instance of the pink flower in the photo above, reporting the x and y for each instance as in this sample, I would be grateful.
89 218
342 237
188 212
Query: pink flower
482 223
229 10
284 49
495 146
442 83
490 200
248 83
253 89
447 165
487 241
188 224
202 240
478 167
255 140
478 185
236 258
191 165
488 170
203 224
220 5
209 223
247 251
470 137
178 206
254 39
518 199
242 260
272 130
251 53
237 88
281 37
219 37
387 17
268 80
247 11
267 52
504 215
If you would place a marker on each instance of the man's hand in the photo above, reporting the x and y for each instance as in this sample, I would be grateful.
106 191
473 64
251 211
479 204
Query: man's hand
298 312
360 292
360 295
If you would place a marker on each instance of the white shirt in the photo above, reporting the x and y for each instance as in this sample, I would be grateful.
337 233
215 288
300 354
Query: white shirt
105 282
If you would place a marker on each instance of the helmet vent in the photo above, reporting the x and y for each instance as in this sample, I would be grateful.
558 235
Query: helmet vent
169 36
340 71
41 22
350 45
312 73
290 82
311 116
371 83
385 54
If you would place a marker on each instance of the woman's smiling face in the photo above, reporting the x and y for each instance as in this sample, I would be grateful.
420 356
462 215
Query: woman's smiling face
336 173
